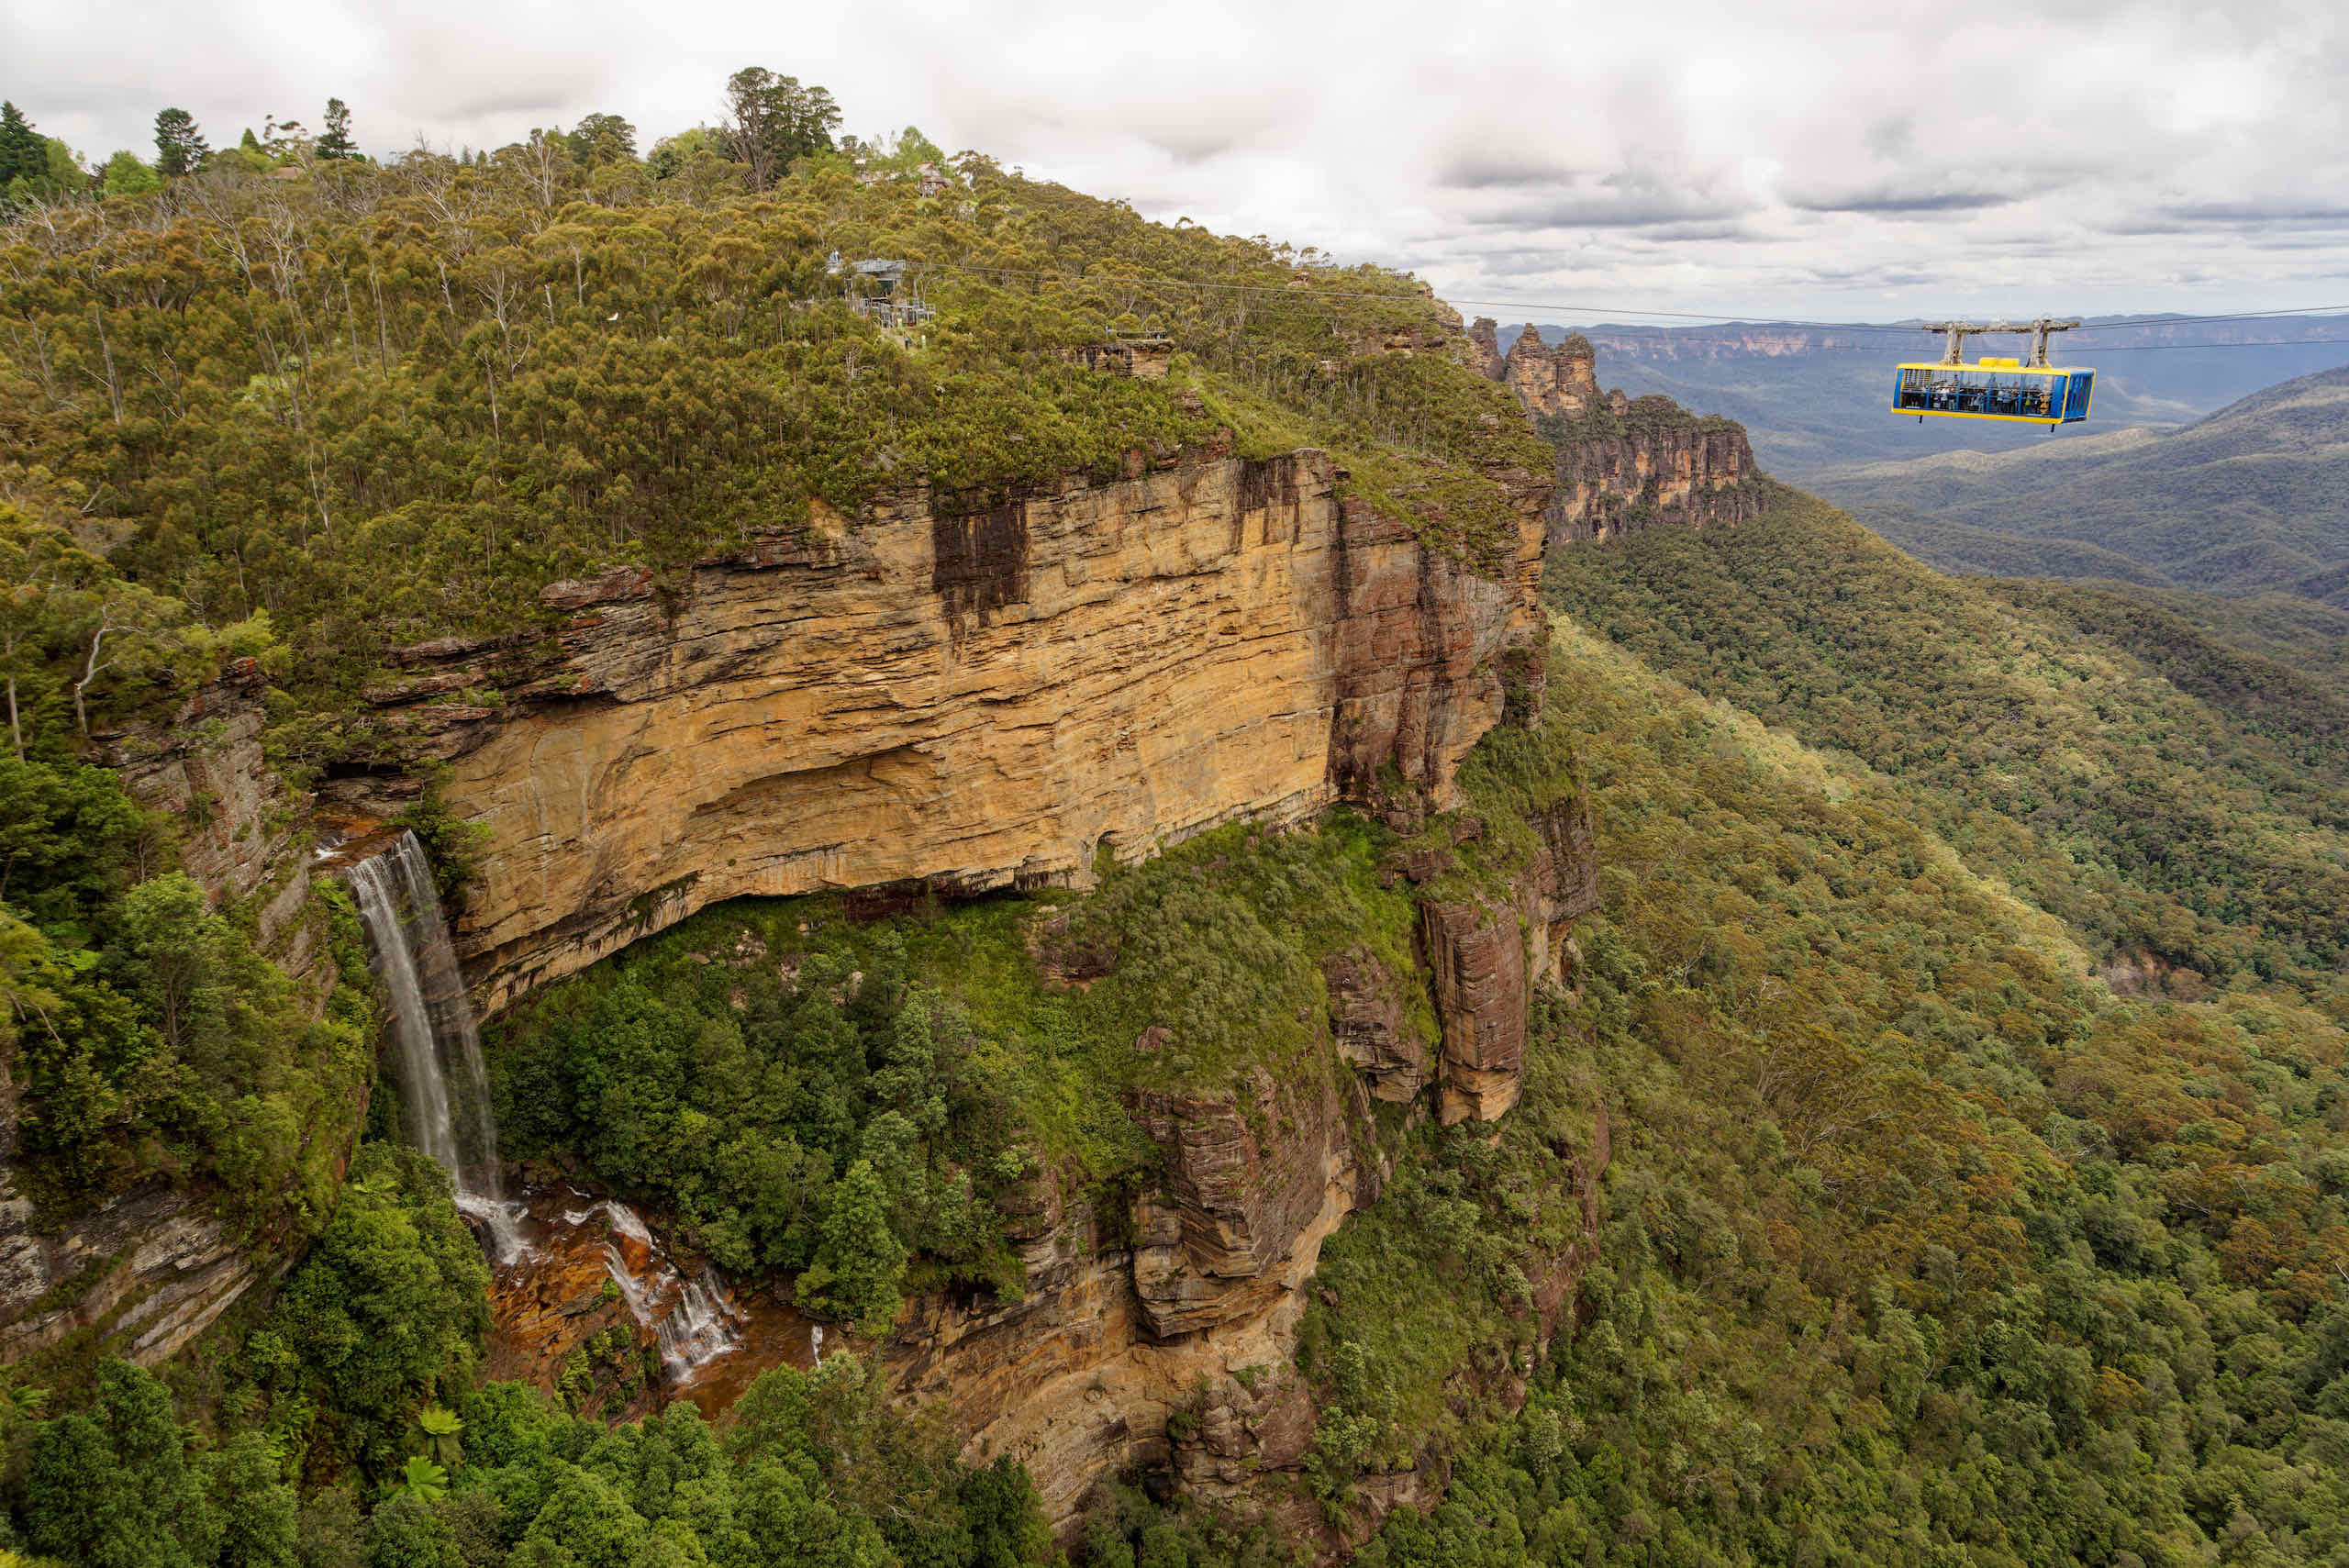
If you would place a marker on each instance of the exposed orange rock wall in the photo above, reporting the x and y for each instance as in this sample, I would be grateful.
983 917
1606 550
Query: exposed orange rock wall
1077 1380
967 701
1560 381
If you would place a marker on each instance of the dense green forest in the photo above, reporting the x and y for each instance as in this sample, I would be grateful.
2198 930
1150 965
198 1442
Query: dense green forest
1920 1248
2162 793
907 1073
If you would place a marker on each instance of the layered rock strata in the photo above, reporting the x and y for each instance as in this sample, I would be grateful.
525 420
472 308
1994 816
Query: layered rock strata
1652 465
1366 1006
1078 1379
1237 1199
1484 955
963 701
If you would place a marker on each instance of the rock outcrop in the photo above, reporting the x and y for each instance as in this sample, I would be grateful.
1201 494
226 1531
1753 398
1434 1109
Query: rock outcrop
149 1270
963 701
1249 1172
1374 1036
241 830
1623 464
1484 354
1079 1379
1478 959
1484 955
1560 382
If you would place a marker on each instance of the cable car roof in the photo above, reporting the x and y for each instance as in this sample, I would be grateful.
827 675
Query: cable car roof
2014 365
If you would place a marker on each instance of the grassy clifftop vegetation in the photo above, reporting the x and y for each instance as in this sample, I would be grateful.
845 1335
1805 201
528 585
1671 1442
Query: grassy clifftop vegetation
383 403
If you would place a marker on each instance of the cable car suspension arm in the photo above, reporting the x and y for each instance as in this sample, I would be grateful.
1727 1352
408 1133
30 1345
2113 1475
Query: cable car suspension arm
1957 332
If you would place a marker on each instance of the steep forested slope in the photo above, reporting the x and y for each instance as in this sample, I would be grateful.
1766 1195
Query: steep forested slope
1920 1249
2201 821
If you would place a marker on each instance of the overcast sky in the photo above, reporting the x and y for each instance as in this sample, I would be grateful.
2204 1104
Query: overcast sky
1834 160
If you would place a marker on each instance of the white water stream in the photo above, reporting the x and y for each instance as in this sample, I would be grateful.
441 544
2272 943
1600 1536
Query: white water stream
694 1321
444 1089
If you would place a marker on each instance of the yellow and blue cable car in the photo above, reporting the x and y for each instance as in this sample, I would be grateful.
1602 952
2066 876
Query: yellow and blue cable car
2026 393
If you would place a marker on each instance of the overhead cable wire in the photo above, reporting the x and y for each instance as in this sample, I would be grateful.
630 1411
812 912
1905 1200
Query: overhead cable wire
2342 342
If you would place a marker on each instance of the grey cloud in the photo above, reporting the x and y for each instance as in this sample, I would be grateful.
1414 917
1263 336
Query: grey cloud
1723 157
1890 201
1489 169
1194 144
1690 233
1622 201
2284 211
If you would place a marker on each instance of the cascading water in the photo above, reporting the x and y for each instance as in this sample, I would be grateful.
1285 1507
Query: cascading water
443 1086
694 1321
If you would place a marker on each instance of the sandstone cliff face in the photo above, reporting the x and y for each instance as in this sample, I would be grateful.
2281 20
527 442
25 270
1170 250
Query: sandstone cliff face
965 701
151 1268
1561 381
1673 471
1249 1172
240 828
1623 464
1366 1004
1486 955
1484 354
1079 1379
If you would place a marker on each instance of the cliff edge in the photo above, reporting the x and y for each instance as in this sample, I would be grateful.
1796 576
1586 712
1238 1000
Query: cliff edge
958 702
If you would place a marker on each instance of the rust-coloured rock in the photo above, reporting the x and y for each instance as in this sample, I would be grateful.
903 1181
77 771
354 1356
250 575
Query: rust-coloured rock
1248 1173
1558 380
1077 1380
1623 464
1653 470
1561 885
1477 957
1366 1004
1484 349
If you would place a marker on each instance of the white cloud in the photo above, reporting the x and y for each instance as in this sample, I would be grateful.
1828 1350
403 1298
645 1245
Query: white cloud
1828 159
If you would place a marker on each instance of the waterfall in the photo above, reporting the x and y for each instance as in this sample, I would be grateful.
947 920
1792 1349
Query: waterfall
444 1088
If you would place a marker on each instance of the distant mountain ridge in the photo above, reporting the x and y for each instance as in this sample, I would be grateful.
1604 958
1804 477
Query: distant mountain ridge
2255 499
1814 399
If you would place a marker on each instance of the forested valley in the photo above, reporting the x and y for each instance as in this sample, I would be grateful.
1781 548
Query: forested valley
1963 1011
